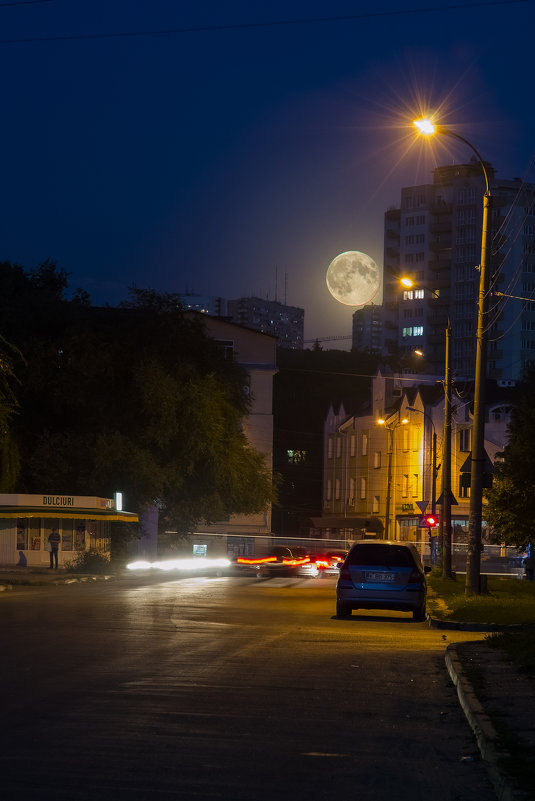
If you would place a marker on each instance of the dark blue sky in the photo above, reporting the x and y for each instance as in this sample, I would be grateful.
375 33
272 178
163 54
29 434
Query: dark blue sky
241 160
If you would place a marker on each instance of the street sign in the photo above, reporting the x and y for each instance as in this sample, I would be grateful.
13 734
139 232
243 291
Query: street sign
422 506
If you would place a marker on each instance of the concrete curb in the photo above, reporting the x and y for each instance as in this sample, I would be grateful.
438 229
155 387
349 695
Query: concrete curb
483 729
55 581
437 623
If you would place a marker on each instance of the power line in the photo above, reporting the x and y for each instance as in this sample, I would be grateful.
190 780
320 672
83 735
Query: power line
25 3
252 25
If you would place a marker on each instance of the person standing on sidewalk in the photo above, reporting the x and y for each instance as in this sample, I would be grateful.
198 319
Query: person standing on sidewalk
53 540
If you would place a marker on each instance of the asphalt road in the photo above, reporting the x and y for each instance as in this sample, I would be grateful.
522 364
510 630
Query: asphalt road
225 688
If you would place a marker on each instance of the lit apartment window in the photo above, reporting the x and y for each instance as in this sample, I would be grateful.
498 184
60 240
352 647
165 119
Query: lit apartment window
352 445
337 489
362 488
375 504
464 492
377 459
364 444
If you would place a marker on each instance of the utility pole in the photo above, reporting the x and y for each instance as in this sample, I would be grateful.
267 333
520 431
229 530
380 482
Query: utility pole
473 561
445 516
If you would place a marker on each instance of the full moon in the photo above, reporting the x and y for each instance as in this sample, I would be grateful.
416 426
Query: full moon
353 278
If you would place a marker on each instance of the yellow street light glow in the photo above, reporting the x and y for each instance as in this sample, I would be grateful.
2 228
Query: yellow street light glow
406 282
381 422
425 126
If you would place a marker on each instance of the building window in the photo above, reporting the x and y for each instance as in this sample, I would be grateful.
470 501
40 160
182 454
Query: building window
330 448
375 504
464 492
337 489
296 456
405 439
352 445
465 440
364 444
338 447
28 534
377 459
405 486
362 488
415 481
351 491
329 493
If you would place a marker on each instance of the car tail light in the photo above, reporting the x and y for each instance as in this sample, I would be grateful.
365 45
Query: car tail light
344 573
415 577
322 563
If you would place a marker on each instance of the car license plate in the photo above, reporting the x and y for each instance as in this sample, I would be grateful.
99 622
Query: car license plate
379 577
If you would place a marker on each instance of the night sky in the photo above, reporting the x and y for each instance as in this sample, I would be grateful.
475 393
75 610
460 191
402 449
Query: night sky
235 148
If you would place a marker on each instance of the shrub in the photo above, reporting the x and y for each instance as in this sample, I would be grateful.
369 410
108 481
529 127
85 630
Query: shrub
91 561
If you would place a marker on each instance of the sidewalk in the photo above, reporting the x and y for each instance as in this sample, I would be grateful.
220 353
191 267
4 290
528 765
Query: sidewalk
11 577
497 700
499 705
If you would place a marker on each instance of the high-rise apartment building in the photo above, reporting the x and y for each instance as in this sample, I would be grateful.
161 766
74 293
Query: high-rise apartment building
367 331
434 238
270 317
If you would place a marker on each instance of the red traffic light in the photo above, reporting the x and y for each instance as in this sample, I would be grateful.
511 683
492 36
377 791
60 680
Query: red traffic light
431 521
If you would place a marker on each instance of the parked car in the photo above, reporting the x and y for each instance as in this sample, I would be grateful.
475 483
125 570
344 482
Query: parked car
382 574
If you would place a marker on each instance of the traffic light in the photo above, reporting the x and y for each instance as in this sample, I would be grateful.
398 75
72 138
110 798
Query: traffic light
431 521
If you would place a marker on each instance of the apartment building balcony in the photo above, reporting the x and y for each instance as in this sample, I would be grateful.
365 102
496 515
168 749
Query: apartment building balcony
392 233
440 245
441 207
392 252
441 226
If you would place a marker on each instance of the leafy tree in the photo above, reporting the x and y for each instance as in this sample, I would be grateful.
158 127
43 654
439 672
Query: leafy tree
508 511
135 398
9 406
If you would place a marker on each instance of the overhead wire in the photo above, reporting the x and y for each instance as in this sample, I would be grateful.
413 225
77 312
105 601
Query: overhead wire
263 24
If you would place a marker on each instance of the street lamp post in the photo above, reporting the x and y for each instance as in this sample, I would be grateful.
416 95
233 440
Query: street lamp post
434 468
445 497
445 516
391 427
473 563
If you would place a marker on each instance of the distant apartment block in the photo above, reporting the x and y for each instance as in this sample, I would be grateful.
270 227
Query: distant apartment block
270 317
207 304
368 329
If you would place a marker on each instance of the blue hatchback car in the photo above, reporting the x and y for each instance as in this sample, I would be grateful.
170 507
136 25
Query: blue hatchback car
382 574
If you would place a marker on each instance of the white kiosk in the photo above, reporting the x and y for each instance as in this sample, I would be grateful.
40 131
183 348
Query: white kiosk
82 522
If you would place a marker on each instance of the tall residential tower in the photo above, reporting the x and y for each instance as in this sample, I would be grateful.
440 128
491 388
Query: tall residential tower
434 238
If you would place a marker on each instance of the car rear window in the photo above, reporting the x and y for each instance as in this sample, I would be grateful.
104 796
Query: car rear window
384 555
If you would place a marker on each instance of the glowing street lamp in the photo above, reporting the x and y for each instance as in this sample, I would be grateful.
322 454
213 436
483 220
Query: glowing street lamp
473 563
391 427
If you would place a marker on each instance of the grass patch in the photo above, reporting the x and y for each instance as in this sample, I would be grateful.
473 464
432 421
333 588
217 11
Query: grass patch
518 646
509 601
